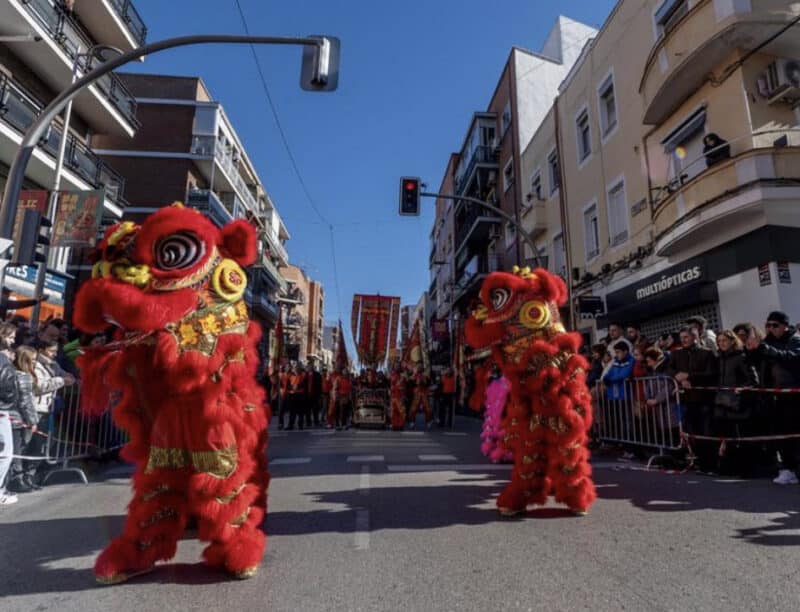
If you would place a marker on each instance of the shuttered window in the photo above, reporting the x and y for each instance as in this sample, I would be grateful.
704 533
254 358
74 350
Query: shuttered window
617 214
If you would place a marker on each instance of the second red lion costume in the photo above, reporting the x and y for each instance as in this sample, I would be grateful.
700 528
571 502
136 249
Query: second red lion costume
549 410
184 362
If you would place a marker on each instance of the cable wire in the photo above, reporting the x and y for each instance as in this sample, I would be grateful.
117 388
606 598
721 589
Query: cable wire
289 153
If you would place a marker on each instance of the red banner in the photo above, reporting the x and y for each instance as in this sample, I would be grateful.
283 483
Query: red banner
31 199
371 319
394 323
342 360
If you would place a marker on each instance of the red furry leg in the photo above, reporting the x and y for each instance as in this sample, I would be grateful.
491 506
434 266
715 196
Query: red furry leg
156 519
572 479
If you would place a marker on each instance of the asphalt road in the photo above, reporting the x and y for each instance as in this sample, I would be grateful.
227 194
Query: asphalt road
406 521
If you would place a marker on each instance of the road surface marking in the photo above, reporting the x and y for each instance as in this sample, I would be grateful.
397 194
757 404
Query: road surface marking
290 461
364 458
362 529
326 432
369 431
413 433
444 467
455 433
437 458
363 485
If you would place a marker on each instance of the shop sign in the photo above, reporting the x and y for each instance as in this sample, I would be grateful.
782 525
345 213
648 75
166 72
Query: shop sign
669 281
764 277
591 306
784 276
52 283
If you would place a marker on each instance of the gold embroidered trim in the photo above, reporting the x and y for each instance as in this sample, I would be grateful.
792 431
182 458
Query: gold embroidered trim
158 516
218 463
249 408
226 499
239 520
155 492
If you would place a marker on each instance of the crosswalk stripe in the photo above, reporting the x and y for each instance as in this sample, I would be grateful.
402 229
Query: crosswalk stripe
437 458
364 458
290 461
445 467
455 433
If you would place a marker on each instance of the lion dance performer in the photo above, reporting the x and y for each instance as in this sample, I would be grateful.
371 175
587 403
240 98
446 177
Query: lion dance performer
549 410
184 364
397 387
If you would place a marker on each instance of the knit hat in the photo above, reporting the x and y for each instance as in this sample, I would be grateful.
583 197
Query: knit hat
779 317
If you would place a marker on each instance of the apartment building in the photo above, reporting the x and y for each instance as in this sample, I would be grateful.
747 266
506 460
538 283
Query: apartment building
654 224
188 150
41 43
469 241
303 312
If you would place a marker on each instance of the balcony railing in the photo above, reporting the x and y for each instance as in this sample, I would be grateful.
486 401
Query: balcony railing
19 109
478 266
467 223
482 155
206 201
130 16
71 37
210 146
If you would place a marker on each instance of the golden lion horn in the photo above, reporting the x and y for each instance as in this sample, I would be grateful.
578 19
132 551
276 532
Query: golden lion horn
480 313
523 272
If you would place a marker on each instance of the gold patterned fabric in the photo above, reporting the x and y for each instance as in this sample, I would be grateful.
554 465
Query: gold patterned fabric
199 330
218 463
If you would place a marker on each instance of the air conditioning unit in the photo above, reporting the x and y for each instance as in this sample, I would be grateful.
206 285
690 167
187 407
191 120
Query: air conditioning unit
782 75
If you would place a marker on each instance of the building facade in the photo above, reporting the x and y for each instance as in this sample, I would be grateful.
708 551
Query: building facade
656 224
187 150
41 43
303 312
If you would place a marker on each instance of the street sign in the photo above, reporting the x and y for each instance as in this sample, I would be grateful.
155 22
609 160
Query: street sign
320 68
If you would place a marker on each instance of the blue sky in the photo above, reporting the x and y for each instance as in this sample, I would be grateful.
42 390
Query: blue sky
412 74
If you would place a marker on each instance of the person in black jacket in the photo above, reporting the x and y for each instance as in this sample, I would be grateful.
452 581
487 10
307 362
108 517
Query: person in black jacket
715 149
733 409
779 353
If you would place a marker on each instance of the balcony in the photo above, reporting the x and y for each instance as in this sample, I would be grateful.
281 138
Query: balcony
759 186
107 106
475 271
18 110
272 271
119 20
481 156
474 224
534 219
700 41
210 148
207 202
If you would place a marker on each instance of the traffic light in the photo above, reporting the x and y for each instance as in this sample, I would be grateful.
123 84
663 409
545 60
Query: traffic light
29 237
409 195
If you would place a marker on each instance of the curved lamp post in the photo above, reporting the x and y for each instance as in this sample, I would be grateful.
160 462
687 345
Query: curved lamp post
319 73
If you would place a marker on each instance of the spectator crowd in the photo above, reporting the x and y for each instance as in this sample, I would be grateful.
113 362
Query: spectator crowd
736 383
34 366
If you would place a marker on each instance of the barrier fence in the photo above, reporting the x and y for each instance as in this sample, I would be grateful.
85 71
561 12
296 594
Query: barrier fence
72 436
650 413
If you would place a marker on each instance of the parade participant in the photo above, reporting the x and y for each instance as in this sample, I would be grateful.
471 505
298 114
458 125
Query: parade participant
297 397
184 364
343 391
492 435
421 387
398 395
549 411
284 396
313 394
326 386
447 407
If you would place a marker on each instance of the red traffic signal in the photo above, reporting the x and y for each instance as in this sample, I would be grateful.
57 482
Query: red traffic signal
409 195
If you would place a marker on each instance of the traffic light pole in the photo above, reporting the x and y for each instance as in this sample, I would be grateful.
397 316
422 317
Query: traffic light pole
498 211
16 174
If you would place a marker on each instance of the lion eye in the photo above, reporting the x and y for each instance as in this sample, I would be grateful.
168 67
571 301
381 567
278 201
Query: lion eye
181 250
500 298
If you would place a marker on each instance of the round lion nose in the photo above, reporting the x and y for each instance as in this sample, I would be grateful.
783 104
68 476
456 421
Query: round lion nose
138 275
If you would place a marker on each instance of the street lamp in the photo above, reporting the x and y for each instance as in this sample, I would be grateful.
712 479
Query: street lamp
103 53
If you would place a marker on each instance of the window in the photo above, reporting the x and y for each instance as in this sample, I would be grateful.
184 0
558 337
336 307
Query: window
584 134
591 236
536 186
669 13
559 256
205 120
685 146
508 174
555 173
608 106
617 214
505 121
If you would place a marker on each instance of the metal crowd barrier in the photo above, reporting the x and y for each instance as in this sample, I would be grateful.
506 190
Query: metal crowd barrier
74 436
641 412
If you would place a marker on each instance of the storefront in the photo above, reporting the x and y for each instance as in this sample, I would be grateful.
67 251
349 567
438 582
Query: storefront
22 283
741 280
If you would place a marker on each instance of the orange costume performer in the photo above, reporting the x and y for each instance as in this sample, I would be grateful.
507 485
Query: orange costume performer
420 398
184 366
549 410
398 397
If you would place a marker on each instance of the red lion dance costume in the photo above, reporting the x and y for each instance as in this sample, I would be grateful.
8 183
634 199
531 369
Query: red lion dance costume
184 361
549 412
